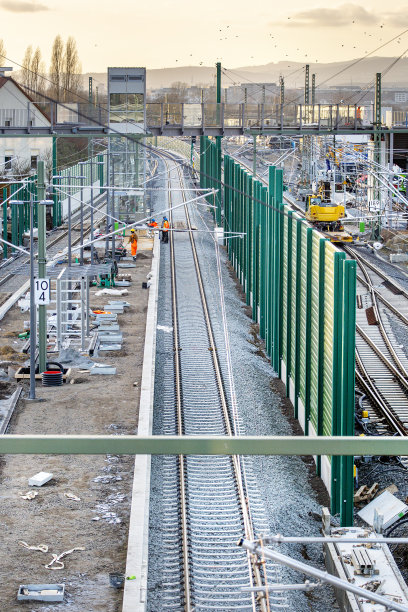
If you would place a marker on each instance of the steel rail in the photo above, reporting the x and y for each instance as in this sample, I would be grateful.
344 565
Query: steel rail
227 418
239 486
398 372
179 412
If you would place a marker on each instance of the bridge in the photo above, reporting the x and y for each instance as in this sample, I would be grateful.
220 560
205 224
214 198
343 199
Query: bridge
210 119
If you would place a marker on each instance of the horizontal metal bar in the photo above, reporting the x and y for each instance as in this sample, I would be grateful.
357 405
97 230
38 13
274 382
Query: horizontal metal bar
203 445
280 539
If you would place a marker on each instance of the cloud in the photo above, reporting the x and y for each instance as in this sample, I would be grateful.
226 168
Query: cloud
344 15
22 6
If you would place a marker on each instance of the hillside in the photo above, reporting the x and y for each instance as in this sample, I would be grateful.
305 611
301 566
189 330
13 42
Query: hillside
359 74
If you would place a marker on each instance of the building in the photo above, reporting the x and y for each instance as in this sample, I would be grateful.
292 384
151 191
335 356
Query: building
17 108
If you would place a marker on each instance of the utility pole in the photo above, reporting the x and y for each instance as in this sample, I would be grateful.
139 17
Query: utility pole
377 153
307 89
282 90
90 92
42 310
313 89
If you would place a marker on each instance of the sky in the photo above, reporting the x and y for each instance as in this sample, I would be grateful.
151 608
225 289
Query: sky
169 33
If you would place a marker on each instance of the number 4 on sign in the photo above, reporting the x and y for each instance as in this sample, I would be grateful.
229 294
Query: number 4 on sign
42 291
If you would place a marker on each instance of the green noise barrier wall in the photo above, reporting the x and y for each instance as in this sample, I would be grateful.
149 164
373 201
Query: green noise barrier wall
302 292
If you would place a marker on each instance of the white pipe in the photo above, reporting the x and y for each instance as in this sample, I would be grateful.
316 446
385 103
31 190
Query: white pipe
332 540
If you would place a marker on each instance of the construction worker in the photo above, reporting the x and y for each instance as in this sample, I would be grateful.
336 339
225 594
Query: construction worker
153 223
133 243
165 229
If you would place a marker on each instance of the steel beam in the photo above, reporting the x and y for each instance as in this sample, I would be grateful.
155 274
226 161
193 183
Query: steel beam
203 445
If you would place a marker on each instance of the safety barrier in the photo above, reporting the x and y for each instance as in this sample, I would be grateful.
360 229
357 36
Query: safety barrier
302 292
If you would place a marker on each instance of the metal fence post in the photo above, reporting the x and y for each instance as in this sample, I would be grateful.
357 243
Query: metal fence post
337 377
5 232
348 387
42 310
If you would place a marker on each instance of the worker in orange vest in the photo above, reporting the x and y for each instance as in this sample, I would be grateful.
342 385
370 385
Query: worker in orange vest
165 230
153 223
133 243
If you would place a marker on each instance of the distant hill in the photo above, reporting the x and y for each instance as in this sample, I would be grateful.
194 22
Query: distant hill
335 73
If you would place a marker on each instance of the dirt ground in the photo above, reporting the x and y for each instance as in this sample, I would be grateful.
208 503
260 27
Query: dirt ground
99 521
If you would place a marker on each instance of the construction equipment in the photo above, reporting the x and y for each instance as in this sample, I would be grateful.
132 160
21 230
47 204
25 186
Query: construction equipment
326 215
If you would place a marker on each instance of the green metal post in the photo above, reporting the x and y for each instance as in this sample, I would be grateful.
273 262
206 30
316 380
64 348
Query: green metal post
288 305
271 302
218 185
320 357
335 497
218 150
263 260
55 197
297 285
202 162
348 389
308 331
254 159
42 310
250 204
5 234
14 225
277 348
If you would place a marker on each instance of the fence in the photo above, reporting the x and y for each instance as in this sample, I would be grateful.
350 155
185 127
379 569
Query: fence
302 292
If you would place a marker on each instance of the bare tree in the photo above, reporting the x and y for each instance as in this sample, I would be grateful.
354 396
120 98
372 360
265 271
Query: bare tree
57 67
26 67
46 157
2 53
72 69
38 72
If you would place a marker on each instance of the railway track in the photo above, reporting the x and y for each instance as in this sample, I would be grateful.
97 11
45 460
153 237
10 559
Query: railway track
208 502
18 261
381 364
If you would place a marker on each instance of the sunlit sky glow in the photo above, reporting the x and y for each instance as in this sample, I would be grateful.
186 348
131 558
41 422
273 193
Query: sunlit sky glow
166 33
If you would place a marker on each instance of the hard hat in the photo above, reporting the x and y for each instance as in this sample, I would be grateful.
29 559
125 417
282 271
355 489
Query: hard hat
164 218
132 230
153 220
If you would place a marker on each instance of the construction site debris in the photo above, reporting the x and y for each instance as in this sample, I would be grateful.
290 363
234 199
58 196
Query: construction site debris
111 292
40 547
56 563
29 495
41 592
72 497
38 480
365 494
101 368
386 504
74 359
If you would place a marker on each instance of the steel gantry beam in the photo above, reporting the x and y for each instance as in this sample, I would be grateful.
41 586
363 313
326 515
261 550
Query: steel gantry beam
203 445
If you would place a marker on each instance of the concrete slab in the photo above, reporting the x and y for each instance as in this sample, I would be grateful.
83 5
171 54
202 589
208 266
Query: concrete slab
134 596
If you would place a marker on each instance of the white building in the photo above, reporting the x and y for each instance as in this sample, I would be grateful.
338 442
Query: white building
18 109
